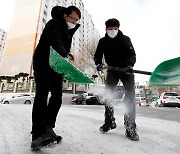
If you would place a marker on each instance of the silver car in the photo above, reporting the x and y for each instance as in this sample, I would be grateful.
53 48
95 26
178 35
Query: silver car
19 99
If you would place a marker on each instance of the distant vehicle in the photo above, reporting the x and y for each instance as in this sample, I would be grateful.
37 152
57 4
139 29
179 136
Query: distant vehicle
139 97
169 99
19 99
141 101
79 99
86 99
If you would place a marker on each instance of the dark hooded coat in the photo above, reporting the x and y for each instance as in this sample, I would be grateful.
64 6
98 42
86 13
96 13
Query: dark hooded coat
55 34
118 51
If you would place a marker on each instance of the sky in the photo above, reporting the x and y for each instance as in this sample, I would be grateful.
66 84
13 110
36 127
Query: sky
79 127
6 13
152 25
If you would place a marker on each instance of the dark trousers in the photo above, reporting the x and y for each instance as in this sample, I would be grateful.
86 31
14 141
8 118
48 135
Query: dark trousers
127 79
44 113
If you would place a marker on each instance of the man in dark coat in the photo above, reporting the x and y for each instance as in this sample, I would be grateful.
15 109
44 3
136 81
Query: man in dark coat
57 33
118 51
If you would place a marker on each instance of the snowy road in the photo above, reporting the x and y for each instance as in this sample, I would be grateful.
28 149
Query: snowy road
79 126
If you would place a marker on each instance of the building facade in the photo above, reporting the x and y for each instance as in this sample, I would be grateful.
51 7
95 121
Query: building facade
3 36
30 17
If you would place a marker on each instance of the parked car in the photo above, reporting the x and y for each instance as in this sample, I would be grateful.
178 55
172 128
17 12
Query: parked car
169 99
141 101
79 99
86 99
19 99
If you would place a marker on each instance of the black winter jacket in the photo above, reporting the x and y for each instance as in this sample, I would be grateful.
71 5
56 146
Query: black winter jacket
55 34
118 51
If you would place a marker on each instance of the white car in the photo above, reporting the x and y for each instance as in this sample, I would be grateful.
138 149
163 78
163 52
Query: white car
19 99
141 101
169 99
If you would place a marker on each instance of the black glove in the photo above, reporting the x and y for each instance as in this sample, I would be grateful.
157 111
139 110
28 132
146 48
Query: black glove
129 69
99 67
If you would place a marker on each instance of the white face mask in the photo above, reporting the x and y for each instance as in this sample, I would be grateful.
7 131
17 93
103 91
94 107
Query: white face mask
70 25
112 33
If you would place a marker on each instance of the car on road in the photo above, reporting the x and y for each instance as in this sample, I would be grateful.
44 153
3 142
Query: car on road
19 99
141 101
86 99
169 99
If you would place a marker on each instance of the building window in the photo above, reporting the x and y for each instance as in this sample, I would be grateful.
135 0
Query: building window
42 28
44 21
45 13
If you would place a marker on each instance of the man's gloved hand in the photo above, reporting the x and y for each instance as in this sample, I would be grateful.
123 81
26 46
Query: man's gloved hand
129 69
99 67
71 56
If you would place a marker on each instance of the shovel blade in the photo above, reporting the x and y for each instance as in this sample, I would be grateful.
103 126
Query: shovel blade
166 73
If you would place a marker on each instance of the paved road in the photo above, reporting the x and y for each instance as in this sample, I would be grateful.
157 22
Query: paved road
164 113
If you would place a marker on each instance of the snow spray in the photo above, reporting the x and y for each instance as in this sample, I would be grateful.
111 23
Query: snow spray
112 98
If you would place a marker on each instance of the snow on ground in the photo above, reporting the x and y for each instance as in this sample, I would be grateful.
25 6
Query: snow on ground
79 127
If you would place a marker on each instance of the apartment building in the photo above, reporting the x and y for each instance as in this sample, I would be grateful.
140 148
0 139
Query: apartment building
3 36
30 17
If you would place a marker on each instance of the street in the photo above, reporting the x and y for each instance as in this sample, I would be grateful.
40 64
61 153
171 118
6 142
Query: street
164 113
158 128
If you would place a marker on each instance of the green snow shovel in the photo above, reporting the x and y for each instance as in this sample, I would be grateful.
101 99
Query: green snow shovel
166 73
68 70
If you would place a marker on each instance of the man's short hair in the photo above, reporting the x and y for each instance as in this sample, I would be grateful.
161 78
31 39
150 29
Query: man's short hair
112 23
69 10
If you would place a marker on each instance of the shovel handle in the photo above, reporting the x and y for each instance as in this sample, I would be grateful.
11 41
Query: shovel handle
142 72
124 70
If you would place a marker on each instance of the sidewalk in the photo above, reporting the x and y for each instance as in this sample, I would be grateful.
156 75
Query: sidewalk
79 127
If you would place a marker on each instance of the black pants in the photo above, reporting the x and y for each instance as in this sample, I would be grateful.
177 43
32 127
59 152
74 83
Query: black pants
127 79
44 114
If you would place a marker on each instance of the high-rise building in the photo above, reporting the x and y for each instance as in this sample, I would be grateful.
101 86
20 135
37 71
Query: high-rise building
3 36
30 17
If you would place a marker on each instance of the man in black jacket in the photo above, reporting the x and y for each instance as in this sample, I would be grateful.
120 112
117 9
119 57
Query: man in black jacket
118 51
57 33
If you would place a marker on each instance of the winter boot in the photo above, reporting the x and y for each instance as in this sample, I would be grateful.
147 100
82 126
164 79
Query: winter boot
58 138
42 140
109 118
109 124
130 128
